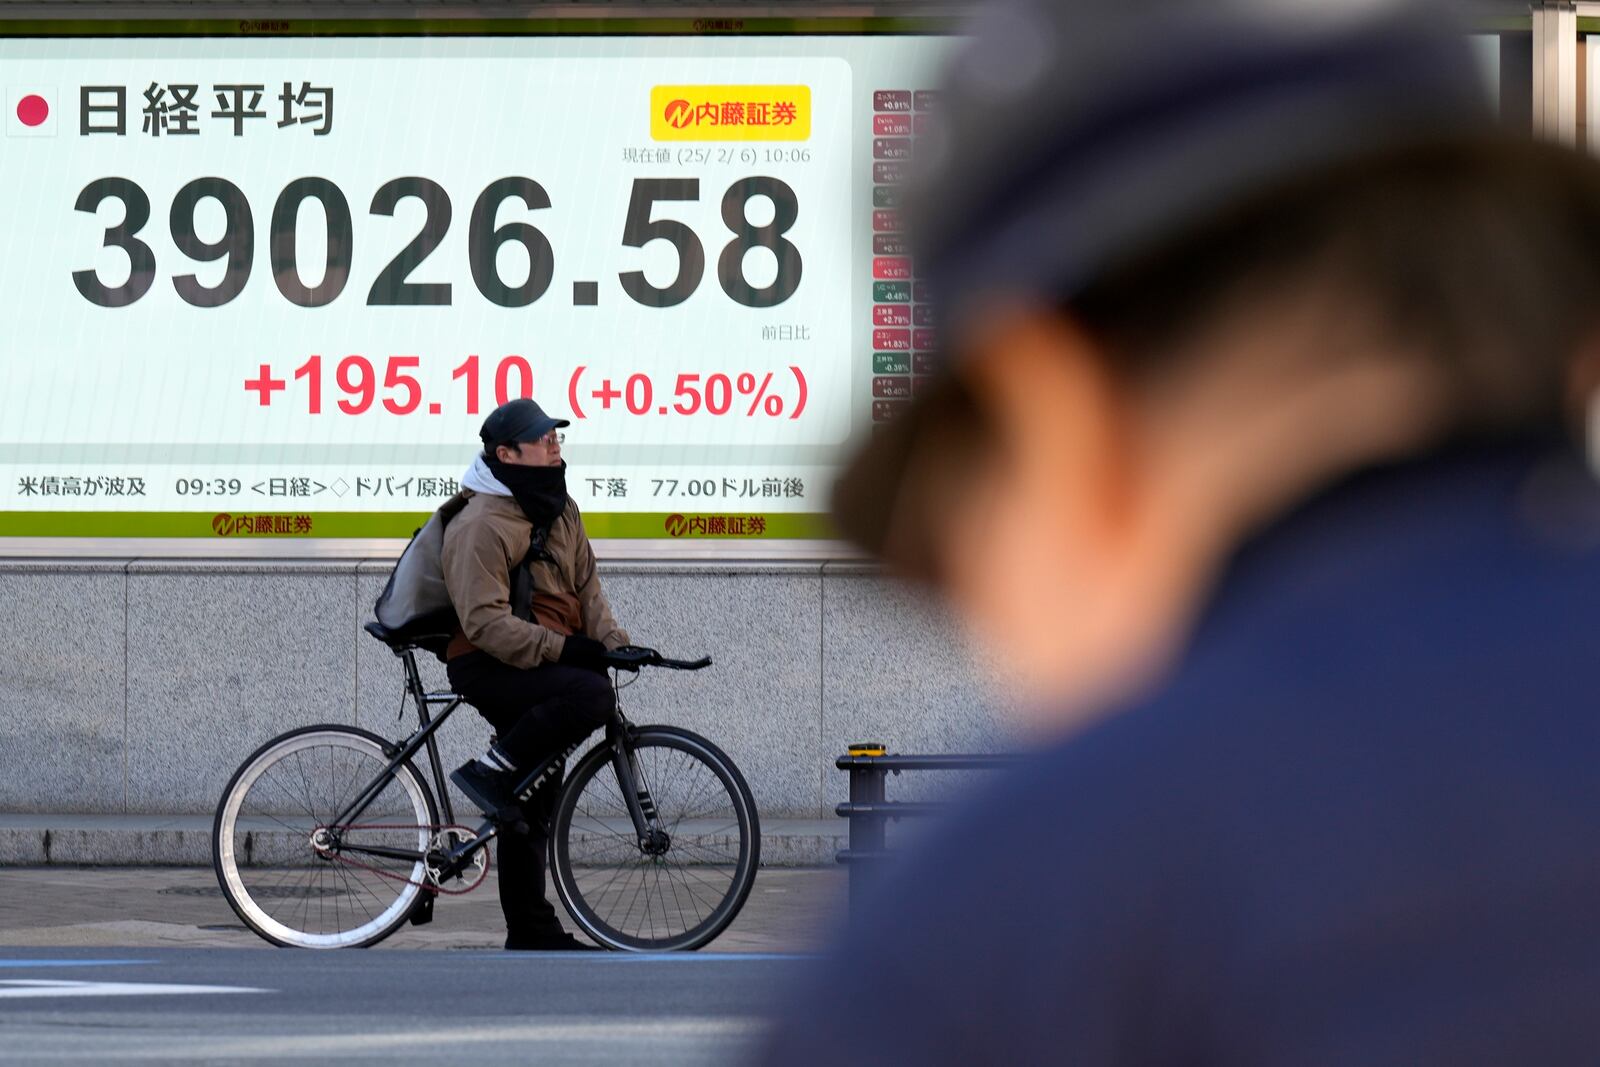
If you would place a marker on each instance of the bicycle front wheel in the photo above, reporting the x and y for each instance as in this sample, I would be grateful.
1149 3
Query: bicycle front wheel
686 889
290 879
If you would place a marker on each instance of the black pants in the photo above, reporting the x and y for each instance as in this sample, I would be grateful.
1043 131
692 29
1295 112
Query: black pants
536 713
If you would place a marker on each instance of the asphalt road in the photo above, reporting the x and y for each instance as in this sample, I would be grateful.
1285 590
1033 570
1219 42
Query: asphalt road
89 959
240 1006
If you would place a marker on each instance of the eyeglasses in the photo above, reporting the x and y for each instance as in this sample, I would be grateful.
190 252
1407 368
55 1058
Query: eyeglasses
553 438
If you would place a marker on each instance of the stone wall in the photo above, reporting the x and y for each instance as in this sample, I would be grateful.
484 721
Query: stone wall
136 686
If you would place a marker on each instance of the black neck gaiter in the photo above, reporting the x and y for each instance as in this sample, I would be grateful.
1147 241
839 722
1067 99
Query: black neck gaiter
541 492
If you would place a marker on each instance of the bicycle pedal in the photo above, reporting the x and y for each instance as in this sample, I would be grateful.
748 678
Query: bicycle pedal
422 910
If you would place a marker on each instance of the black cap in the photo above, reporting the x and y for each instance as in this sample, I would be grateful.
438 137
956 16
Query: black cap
1072 135
515 421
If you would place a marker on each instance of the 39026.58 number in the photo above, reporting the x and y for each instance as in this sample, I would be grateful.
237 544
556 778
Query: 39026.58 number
393 286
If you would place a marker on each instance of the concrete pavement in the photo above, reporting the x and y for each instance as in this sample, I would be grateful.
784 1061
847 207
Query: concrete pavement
789 910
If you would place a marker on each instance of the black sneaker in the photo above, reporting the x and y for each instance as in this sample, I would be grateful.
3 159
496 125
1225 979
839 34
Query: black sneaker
490 790
554 941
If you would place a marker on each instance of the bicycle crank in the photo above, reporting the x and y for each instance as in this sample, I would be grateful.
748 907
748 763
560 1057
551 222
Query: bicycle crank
441 867
437 863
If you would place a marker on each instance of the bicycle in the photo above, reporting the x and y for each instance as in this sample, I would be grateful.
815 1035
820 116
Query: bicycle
328 836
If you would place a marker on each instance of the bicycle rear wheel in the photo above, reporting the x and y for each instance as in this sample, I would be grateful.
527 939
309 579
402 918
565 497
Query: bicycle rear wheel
296 888
682 895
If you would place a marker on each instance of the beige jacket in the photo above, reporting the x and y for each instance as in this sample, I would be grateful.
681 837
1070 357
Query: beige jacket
488 537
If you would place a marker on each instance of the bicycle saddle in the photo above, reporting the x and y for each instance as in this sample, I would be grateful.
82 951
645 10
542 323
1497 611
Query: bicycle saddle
402 641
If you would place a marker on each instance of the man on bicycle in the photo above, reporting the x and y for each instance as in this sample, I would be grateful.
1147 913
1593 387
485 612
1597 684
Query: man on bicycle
528 655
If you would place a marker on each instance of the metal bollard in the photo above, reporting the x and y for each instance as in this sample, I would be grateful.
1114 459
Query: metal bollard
867 834
869 765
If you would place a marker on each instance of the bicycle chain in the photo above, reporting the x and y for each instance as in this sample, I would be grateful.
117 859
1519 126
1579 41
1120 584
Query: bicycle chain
425 885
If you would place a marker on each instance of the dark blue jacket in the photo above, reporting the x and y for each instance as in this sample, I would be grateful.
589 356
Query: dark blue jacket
1358 826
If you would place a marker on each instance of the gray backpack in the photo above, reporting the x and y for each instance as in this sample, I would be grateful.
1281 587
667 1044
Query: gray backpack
414 607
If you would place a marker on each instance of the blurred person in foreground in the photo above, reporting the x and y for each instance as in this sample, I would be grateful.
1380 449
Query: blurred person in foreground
1256 471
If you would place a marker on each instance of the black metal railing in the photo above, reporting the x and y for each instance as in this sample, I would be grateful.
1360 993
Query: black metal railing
868 810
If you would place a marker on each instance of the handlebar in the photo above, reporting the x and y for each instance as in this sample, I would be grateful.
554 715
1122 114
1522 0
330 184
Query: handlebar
684 664
632 657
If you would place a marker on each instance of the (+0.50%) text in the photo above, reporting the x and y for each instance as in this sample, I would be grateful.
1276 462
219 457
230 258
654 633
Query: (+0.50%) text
355 385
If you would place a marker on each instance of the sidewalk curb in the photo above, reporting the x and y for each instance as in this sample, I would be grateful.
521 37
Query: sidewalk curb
38 840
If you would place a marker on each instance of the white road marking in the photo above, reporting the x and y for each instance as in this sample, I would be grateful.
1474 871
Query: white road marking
17 988
324 1046
6 963
555 1030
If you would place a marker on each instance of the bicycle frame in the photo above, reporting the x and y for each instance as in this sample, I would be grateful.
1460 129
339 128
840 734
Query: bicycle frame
641 807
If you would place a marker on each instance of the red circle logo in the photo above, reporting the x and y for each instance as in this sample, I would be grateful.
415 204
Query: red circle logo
677 525
678 113
224 525
32 110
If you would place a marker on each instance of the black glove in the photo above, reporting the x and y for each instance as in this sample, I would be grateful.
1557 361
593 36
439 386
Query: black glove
585 652
632 657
